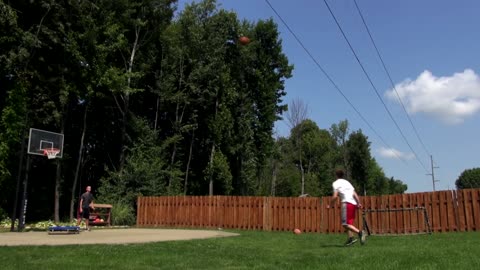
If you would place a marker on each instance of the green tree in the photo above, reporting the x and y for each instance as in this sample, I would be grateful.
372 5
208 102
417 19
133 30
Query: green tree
377 181
210 101
268 70
469 178
45 34
145 172
297 117
14 97
126 35
229 93
326 162
208 79
396 186
318 158
358 157
318 151
379 184
285 173
219 173
340 133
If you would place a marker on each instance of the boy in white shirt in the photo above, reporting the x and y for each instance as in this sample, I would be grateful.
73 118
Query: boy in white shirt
350 203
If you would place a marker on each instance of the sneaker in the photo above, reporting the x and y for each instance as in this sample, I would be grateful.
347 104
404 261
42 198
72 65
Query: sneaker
363 237
350 241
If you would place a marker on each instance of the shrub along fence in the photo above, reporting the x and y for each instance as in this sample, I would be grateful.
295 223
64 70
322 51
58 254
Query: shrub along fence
457 210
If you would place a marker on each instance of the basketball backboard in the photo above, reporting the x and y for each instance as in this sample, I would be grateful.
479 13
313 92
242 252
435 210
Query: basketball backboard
41 140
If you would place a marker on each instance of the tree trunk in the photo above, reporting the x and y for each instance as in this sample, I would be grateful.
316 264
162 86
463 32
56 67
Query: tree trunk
345 164
178 122
156 114
309 166
172 161
212 153
79 161
158 95
345 158
210 184
19 173
123 136
58 180
274 179
188 163
126 100
302 171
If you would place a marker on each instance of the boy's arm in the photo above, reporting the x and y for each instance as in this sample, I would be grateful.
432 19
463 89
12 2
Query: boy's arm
334 199
355 196
80 206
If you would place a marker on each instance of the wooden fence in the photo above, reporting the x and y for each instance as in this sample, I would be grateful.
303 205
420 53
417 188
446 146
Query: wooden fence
447 211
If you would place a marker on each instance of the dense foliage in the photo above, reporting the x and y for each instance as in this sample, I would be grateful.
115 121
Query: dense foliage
469 178
154 102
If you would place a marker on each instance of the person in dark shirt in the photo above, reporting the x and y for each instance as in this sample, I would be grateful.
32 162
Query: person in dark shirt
86 202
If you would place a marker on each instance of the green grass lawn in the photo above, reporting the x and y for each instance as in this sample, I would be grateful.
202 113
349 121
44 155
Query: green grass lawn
259 250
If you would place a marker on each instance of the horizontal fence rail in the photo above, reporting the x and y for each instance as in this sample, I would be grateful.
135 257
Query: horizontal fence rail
447 211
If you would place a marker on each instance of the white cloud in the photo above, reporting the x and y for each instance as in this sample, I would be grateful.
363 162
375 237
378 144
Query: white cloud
451 99
394 153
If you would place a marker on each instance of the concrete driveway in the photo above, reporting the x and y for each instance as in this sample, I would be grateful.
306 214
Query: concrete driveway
107 236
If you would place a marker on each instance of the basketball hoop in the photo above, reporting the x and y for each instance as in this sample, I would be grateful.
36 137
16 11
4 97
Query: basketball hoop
51 153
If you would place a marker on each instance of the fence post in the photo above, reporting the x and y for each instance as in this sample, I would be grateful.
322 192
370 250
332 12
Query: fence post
476 208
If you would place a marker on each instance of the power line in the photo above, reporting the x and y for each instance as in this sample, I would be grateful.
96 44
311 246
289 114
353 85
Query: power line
330 79
390 78
373 85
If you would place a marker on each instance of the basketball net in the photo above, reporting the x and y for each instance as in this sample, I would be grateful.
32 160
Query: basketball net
51 153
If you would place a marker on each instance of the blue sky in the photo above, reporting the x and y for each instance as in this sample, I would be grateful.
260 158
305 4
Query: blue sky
431 49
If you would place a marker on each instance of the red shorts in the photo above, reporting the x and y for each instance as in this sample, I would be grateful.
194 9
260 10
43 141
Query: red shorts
348 213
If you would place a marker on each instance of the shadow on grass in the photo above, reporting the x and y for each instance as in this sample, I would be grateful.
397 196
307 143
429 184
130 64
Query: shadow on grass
333 246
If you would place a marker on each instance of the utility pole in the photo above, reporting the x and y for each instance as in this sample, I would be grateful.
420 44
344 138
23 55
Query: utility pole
433 173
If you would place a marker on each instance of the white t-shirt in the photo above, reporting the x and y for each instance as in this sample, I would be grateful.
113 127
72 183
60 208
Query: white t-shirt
345 190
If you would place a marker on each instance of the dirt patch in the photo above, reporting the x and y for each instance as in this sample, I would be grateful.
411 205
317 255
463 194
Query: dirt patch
106 236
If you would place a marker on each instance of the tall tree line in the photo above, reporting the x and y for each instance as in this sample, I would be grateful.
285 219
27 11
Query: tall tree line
151 102
303 163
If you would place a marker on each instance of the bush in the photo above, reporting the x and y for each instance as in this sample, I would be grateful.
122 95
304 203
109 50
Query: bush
3 214
469 179
7 223
123 214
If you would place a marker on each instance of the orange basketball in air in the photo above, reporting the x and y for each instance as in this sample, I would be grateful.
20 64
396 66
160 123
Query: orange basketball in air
244 40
